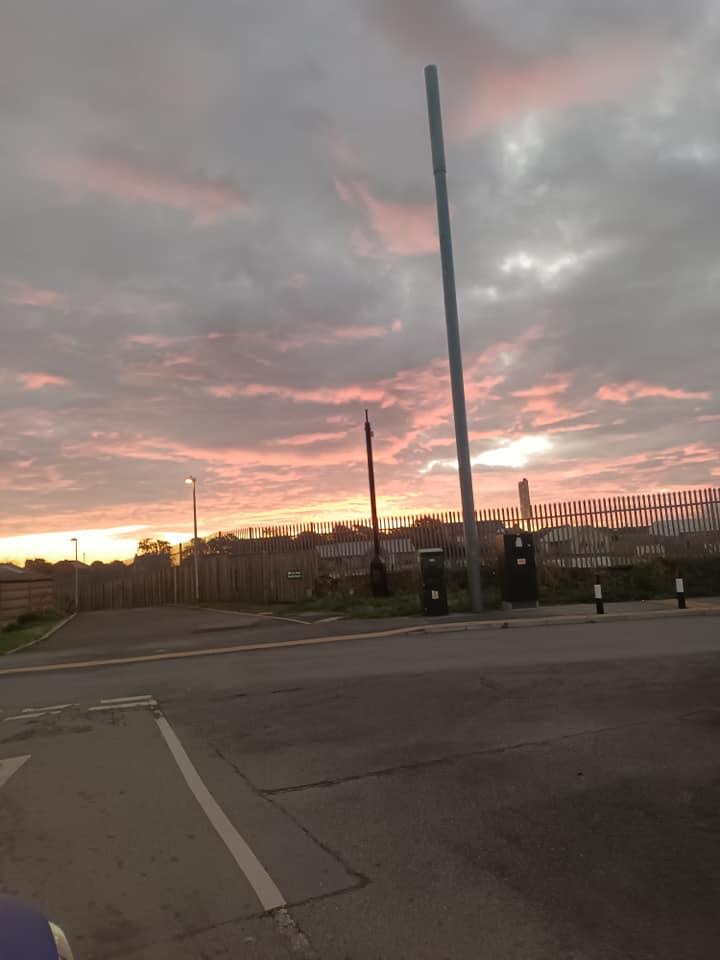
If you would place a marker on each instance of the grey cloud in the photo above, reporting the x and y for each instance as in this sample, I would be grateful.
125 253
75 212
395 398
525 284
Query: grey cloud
278 99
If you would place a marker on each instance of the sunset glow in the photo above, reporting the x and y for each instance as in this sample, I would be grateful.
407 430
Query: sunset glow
211 271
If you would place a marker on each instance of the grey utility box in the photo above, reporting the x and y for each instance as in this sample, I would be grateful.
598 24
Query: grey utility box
518 573
433 582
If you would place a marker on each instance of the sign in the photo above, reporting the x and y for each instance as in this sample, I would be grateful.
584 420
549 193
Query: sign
295 574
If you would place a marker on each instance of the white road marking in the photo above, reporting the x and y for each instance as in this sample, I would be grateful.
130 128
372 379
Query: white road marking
104 707
33 716
57 706
328 620
10 766
257 876
142 696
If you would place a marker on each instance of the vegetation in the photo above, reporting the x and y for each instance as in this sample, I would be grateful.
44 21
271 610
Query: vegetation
27 627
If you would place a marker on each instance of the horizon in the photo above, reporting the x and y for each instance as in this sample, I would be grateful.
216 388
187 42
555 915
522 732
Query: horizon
214 262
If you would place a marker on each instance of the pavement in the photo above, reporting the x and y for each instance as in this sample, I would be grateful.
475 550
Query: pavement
546 792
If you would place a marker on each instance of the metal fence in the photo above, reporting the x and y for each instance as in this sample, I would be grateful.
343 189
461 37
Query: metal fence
600 533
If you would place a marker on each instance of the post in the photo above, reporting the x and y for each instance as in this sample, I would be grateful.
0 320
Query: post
680 590
378 576
599 603
77 577
472 546
196 569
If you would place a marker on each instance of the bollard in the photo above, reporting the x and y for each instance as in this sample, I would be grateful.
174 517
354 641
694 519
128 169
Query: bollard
680 590
599 605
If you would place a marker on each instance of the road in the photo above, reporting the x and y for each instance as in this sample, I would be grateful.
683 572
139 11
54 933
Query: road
544 792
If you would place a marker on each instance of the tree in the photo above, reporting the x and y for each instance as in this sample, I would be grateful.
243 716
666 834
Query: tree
38 565
153 547
153 553
224 545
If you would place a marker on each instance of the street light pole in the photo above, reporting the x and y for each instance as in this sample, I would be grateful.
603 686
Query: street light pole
196 570
472 546
378 577
77 582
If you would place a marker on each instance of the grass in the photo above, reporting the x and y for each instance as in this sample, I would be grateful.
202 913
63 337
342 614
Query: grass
400 604
28 627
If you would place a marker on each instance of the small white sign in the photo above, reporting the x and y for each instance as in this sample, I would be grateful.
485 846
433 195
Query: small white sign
518 541
521 562
598 591
679 585
435 594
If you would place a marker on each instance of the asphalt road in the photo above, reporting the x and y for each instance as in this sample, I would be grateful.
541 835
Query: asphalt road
545 792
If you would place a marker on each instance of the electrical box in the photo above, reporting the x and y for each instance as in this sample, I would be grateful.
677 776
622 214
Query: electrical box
433 582
518 573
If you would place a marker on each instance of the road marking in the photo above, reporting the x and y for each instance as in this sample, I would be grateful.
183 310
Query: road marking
209 651
57 706
142 696
265 616
10 766
35 715
104 707
256 874
328 620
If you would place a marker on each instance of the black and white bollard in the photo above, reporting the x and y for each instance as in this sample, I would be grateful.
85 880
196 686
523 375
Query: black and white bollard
680 590
599 605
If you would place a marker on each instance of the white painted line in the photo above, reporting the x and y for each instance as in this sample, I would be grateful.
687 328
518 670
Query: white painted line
328 620
33 716
57 706
256 874
104 707
265 616
10 766
142 696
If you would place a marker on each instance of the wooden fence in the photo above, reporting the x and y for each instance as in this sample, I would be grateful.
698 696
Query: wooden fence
288 562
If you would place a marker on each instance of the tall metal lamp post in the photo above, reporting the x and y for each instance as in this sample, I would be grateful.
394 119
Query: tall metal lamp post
437 143
77 582
196 571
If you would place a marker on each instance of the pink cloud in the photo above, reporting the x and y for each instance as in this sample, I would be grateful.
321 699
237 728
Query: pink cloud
307 439
321 395
639 390
405 229
207 201
24 295
37 381
151 340
504 87
489 84
542 401
550 388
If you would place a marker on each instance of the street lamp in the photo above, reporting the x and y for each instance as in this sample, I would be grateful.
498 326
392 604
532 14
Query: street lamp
196 572
77 584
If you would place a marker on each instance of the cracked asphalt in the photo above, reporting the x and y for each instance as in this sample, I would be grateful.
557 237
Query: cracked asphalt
552 792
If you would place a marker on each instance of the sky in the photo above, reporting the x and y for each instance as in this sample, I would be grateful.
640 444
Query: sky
218 247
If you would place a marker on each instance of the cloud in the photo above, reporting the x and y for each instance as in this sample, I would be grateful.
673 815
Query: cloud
638 390
584 217
404 229
24 295
38 381
502 90
127 182
490 83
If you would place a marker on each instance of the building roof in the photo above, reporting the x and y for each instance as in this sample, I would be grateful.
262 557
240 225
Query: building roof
9 573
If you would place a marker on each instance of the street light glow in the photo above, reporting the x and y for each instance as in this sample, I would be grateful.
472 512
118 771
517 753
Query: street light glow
189 479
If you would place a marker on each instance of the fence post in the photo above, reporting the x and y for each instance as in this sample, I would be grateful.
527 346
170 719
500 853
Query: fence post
599 604
680 589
